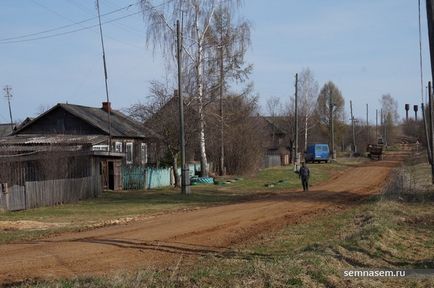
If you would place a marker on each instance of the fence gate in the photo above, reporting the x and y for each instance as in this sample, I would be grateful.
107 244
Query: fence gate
133 177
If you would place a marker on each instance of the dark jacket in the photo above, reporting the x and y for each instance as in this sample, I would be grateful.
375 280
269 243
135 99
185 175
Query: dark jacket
304 172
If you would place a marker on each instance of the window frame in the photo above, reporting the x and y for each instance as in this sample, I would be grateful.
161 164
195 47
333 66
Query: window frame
144 153
120 146
131 152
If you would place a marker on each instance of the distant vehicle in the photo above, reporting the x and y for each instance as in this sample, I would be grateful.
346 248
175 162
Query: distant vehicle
375 151
317 153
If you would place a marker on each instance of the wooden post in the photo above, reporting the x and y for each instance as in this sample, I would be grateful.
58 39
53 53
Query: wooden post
431 125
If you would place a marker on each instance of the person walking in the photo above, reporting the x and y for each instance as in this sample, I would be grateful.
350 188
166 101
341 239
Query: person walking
304 174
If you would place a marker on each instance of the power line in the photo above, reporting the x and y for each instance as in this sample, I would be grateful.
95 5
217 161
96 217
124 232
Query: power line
70 32
83 28
64 26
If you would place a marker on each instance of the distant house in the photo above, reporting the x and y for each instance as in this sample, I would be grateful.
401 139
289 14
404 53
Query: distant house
124 136
278 140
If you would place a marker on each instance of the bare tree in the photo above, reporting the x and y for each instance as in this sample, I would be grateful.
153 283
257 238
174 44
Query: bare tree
243 141
197 17
159 114
159 94
308 91
274 109
330 94
389 107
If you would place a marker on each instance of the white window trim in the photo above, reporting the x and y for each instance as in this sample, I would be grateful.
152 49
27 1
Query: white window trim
132 152
144 153
118 144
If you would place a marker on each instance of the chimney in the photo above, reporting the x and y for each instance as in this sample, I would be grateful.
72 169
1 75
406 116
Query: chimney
107 107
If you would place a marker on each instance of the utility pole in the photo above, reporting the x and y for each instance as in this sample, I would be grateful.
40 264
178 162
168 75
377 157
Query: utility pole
431 126
382 125
185 175
331 125
105 78
8 96
385 122
222 83
430 20
367 124
427 134
376 126
296 157
354 131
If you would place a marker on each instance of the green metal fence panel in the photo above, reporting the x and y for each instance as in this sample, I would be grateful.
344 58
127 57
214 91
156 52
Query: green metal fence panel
156 178
133 177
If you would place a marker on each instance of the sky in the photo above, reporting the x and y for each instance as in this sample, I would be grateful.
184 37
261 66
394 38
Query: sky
366 47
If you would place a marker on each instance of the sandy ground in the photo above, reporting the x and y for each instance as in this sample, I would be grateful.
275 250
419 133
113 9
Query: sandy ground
165 239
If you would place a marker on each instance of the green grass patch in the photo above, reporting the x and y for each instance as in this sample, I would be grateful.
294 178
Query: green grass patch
112 206
284 178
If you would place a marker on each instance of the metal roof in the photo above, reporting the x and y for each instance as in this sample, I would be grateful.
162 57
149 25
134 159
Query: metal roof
54 139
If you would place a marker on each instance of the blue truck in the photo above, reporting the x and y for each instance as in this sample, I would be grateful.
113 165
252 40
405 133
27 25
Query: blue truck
317 153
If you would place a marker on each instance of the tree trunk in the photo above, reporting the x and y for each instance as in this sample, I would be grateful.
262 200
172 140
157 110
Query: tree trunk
175 170
306 120
199 75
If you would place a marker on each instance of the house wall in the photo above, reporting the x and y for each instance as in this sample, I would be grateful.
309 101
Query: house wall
137 159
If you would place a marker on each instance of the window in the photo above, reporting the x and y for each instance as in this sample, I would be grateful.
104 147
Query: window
101 147
144 153
118 146
129 151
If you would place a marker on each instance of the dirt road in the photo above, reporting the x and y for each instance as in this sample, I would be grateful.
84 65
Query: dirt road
163 239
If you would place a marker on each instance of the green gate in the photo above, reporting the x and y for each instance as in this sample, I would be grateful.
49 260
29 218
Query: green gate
133 177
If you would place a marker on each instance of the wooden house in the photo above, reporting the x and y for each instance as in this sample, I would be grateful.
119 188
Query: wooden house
277 140
117 134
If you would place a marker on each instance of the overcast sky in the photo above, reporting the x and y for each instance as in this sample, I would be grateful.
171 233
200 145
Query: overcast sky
367 47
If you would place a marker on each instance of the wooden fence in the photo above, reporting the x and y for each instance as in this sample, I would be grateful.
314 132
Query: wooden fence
40 181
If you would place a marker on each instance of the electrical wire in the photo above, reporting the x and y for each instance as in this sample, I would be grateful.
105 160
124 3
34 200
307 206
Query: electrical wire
83 28
64 26
70 32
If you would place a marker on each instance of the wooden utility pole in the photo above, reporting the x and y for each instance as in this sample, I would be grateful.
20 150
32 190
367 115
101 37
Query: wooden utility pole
105 78
185 176
376 126
222 83
352 124
427 129
296 158
8 95
430 20
367 124
431 130
331 125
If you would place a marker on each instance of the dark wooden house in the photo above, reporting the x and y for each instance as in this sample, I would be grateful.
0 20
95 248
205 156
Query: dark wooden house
123 136
277 140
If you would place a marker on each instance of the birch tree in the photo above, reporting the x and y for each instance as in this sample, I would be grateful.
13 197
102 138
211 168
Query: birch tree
308 91
196 17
